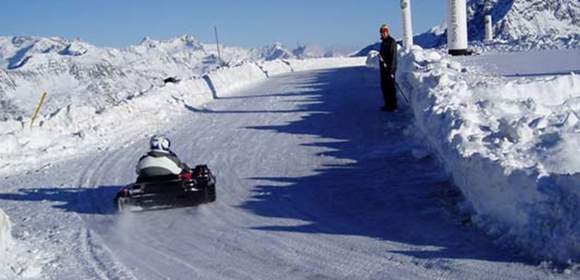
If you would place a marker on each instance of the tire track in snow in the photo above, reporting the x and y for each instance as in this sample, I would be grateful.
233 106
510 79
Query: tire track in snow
96 253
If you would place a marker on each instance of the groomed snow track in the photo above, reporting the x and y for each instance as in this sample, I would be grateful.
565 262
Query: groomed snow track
313 183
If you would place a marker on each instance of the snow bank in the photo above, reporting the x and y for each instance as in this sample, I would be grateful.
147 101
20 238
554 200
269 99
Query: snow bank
511 146
275 67
227 80
5 233
6 244
17 259
78 127
325 63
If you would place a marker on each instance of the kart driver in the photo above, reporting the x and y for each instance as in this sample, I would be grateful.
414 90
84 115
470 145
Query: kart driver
160 161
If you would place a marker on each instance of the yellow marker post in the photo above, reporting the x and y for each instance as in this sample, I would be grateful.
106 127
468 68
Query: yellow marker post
38 108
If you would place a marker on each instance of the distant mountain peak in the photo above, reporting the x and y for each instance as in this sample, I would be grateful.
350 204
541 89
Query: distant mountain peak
515 20
185 40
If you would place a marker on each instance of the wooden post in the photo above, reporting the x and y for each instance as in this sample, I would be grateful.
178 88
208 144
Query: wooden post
42 98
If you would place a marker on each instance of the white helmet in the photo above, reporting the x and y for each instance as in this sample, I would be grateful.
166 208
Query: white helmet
160 143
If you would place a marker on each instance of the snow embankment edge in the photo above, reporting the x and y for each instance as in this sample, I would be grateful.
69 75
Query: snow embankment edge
520 203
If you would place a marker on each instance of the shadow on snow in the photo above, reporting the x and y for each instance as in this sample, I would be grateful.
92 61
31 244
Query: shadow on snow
377 188
79 200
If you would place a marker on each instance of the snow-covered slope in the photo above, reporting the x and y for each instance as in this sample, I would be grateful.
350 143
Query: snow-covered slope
100 93
531 24
77 72
72 71
509 140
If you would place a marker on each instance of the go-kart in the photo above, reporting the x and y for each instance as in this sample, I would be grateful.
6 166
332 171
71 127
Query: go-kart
191 187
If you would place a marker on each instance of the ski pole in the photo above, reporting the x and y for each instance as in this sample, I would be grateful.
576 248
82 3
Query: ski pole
402 92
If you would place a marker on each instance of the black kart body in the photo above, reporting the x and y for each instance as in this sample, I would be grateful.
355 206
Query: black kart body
187 189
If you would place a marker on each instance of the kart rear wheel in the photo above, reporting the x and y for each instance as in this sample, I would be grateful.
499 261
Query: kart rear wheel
210 193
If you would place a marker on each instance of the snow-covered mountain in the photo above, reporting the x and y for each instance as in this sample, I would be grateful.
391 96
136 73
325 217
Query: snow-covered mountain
314 51
537 24
26 52
185 51
73 69
279 51
273 52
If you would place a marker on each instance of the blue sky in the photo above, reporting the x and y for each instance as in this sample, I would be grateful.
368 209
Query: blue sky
247 23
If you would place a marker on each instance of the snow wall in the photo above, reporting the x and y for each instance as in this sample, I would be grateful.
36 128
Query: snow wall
61 132
510 146
5 233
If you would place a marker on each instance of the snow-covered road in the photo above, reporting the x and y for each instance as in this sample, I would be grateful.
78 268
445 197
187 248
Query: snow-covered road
313 183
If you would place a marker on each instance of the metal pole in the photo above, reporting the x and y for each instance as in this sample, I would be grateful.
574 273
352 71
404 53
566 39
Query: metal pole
488 28
407 24
218 45
457 27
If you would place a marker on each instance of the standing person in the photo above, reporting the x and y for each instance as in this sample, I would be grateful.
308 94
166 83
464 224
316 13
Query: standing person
388 66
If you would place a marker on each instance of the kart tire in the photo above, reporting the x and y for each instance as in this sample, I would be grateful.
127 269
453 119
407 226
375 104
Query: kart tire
210 193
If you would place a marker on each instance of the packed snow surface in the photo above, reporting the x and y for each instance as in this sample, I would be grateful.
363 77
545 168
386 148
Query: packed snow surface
507 129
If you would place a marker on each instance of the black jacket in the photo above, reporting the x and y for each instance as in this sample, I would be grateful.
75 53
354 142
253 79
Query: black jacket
388 57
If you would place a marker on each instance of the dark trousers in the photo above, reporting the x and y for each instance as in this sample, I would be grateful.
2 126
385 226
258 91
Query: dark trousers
389 92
